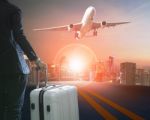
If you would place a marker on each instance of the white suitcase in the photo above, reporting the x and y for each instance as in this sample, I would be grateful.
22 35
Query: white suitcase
54 103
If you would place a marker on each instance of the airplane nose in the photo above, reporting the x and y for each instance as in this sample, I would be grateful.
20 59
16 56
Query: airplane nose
94 11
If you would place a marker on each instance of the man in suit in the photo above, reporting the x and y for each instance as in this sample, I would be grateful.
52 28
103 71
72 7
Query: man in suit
13 68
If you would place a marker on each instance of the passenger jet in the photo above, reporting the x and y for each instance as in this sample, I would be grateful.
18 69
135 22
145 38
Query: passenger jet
87 24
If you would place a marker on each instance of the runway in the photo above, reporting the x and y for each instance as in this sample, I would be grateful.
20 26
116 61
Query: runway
112 101
108 101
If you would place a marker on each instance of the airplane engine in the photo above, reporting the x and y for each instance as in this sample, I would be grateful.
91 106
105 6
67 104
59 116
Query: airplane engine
103 24
70 27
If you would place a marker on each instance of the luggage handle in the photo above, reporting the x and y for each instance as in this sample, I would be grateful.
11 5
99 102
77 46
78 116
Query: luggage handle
38 77
38 81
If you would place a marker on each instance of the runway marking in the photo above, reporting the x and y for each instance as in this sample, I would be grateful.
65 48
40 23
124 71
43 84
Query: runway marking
82 86
123 110
102 111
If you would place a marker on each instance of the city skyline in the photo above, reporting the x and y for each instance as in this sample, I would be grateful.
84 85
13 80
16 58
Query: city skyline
126 43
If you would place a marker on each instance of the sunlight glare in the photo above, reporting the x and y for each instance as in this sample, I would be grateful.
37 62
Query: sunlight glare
76 64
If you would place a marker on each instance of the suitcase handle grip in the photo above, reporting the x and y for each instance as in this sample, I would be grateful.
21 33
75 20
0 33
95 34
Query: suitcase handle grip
38 76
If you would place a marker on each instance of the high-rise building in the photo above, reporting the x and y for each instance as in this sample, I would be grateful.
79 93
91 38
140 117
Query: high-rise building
128 73
139 76
146 80
142 77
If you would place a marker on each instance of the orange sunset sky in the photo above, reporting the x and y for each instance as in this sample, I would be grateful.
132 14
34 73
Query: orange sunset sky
130 42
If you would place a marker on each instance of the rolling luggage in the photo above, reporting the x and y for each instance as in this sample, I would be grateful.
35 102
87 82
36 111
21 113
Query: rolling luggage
54 102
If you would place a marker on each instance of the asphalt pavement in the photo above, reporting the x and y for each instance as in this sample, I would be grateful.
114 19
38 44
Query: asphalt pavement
105 100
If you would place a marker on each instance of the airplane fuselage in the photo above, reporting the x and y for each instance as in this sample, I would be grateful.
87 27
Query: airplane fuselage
87 21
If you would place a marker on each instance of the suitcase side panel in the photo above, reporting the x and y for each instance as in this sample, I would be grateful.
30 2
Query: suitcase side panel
72 102
53 100
34 104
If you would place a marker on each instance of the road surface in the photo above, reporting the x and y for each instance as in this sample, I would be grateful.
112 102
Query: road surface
105 100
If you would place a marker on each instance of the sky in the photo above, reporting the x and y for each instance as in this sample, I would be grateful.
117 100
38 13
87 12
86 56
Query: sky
130 42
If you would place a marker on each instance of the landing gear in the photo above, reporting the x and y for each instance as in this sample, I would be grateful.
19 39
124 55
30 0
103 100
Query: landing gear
76 35
95 33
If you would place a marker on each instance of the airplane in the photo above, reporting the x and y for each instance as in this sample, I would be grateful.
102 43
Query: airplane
87 24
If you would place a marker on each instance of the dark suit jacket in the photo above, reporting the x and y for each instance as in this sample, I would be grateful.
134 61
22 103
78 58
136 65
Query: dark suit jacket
13 43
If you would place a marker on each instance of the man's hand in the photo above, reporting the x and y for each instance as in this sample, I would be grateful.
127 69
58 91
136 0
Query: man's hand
39 64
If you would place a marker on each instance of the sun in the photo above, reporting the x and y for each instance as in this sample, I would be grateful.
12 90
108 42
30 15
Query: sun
76 64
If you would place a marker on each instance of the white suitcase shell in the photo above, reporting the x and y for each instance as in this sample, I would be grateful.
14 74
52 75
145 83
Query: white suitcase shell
72 102
34 101
59 103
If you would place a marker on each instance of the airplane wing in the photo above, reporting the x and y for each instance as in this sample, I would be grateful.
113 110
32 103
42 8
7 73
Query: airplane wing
72 27
105 24
114 24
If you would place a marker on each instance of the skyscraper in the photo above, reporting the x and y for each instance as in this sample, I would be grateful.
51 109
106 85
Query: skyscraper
128 73
140 76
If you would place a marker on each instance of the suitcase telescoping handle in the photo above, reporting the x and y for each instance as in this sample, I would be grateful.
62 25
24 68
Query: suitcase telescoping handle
38 76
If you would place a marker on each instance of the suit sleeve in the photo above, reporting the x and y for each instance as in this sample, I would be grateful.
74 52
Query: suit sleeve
20 37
